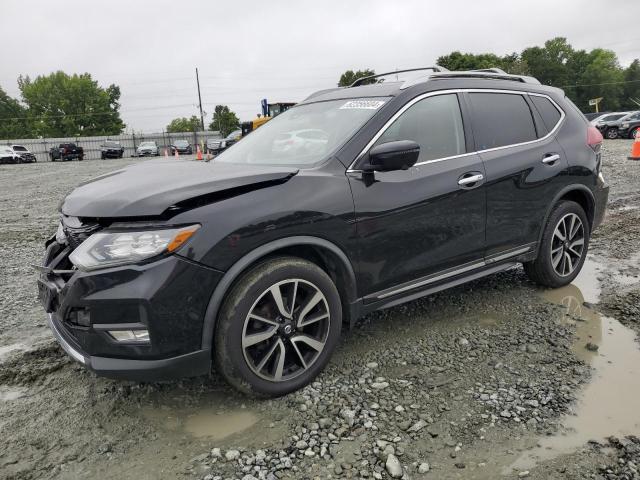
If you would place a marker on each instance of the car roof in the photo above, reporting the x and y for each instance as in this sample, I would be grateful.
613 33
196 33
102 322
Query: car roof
433 83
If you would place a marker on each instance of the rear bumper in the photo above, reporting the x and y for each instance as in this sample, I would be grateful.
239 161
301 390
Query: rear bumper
113 154
187 365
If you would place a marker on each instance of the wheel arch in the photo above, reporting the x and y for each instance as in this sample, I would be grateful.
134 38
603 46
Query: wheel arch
319 251
577 193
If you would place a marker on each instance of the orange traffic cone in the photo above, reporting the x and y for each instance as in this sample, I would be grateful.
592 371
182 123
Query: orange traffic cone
176 154
635 149
198 153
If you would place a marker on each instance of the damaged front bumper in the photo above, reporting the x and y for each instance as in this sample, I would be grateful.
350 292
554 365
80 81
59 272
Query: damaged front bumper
167 298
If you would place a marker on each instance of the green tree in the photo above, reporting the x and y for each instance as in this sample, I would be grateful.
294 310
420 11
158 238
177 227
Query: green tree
13 118
603 77
224 120
62 105
583 75
184 124
631 93
469 61
549 64
348 77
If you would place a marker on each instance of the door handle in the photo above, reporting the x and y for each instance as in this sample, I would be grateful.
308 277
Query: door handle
464 181
550 158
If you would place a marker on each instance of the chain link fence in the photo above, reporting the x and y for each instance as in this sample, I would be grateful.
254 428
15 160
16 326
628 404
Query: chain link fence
41 147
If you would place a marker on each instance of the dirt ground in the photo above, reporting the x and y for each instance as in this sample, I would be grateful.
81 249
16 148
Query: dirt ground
494 379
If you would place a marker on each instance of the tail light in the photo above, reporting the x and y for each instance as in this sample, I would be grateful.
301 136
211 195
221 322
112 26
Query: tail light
594 138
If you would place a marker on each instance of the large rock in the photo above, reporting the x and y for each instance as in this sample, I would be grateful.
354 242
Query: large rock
394 468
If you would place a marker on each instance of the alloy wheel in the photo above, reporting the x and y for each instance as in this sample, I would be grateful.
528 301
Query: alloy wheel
286 330
567 245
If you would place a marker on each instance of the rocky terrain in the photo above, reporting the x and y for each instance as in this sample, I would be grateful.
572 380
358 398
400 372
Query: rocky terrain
468 383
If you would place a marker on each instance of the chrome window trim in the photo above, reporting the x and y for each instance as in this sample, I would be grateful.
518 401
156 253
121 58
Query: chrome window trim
475 152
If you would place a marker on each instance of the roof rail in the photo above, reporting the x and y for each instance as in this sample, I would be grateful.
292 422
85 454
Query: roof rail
490 70
485 74
435 68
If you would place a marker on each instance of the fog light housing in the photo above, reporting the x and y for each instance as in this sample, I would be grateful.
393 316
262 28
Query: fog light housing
130 336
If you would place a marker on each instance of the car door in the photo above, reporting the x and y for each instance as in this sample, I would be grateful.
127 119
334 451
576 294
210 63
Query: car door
426 220
524 164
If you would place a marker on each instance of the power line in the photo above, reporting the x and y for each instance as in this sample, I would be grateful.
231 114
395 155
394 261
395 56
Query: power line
599 84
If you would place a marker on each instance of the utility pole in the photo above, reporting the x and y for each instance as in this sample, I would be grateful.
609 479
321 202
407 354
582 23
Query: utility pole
200 99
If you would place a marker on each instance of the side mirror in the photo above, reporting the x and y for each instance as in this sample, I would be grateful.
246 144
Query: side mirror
390 156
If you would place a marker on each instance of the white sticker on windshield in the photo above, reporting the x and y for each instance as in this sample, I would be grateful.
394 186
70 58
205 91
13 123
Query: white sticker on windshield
363 104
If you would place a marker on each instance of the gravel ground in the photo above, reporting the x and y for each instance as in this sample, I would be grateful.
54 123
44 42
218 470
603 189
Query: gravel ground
460 384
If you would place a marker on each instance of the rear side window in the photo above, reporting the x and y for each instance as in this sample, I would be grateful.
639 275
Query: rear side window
547 110
435 123
501 119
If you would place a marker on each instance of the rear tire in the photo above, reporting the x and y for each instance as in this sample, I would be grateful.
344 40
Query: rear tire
270 346
564 246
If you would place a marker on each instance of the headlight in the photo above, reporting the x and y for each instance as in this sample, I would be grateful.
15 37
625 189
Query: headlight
625 125
223 143
108 249
61 238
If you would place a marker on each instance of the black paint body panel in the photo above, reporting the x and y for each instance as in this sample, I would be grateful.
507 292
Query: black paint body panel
376 230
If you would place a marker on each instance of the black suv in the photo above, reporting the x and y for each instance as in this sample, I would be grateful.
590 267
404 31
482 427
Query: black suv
254 262
181 146
629 125
111 149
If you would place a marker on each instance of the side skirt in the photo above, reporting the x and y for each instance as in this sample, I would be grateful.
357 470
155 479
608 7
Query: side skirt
442 281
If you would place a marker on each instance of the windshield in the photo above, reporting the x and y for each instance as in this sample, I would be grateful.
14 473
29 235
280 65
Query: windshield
147 144
611 118
19 148
303 135
181 143
111 144
233 135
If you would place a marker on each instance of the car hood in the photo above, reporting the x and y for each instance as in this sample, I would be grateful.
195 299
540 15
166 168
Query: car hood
150 188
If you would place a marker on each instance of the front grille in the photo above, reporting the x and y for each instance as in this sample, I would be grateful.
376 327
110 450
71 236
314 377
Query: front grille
77 230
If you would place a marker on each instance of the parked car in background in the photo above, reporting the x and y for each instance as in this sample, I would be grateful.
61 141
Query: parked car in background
65 152
216 145
7 155
607 117
25 155
256 261
592 115
182 146
148 149
629 126
614 129
111 149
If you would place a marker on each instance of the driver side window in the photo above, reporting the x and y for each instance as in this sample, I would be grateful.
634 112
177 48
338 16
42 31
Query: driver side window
435 123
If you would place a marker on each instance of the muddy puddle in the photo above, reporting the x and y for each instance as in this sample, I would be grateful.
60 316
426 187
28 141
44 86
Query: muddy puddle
211 416
608 404
210 423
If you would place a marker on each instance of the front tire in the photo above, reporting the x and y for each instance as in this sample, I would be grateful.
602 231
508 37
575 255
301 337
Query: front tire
564 246
634 133
277 327
612 133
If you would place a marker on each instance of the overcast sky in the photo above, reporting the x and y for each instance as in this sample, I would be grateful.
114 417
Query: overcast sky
279 50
